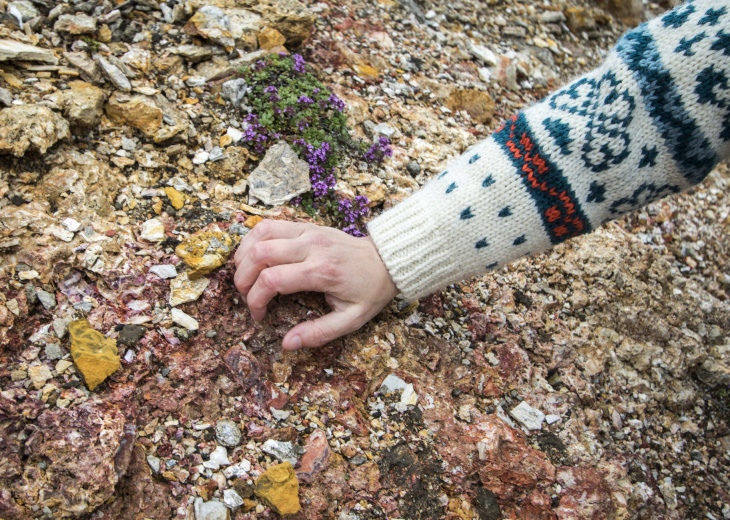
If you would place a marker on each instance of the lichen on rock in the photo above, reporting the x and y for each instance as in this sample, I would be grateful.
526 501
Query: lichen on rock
205 251
95 355
278 487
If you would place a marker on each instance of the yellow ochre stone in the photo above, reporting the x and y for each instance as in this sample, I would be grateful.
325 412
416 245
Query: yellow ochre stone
94 354
279 488
177 199
252 221
205 251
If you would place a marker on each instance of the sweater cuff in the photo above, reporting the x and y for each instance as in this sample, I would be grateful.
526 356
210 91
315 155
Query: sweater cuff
408 238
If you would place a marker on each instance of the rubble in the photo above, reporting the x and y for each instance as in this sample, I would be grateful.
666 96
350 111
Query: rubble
30 127
11 50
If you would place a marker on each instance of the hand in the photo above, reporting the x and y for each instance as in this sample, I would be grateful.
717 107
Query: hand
278 257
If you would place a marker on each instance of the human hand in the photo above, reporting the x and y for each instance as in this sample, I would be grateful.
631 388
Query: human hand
278 257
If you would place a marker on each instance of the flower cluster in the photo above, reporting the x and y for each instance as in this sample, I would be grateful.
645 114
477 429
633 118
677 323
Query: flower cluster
379 150
288 102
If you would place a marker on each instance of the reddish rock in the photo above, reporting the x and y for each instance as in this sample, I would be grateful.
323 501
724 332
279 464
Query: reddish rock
479 325
244 366
432 305
316 458
585 494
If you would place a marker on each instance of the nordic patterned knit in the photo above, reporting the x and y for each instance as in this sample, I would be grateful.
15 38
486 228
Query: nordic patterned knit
651 121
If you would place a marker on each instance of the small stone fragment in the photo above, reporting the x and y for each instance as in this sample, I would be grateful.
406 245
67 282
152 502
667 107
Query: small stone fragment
75 24
95 356
131 334
529 417
72 225
278 487
205 251
177 199
234 90
232 499
53 351
228 433
484 54
152 230
184 320
48 300
213 24
39 374
30 127
210 510
479 105
183 289
316 456
10 50
270 38
280 176
154 463
83 104
164 271
218 458
59 327
284 451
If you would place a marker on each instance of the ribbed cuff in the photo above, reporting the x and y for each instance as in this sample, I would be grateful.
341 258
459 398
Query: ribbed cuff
408 238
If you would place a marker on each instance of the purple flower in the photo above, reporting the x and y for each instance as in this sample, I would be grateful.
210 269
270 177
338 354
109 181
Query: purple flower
305 99
299 65
378 151
271 89
336 103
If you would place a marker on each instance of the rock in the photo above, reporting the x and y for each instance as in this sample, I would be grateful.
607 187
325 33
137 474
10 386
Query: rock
72 225
176 198
53 351
218 458
83 104
131 334
147 114
48 300
30 127
245 27
579 19
75 458
244 366
316 456
234 90
164 271
75 24
484 54
529 417
184 320
194 53
38 375
213 24
25 8
384 130
227 433
280 176
10 50
87 67
479 105
183 289
205 251
413 168
279 489
630 12
140 59
210 510
154 463
112 72
551 17
715 369
269 38
284 451
232 499
152 230
290 17
59 327
95 356
6 98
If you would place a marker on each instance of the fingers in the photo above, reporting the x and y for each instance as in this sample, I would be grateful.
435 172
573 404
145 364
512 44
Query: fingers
322 330
267 230
280 279
264 255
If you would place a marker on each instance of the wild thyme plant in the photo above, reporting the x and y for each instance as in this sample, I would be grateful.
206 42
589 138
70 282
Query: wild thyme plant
289 103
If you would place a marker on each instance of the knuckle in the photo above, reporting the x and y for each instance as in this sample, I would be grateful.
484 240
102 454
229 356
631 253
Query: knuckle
319 240
269 279
326 269
263 229
260 253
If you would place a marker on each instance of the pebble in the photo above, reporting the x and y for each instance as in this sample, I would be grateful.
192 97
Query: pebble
212 510
48 300
164 271
234 90
116 76
218 458
529 417
201 157
154 463
484 54
53 351
72 225
384 129
413 168
131 334
228 433
232 499
60 326
184 320
152 230
284 451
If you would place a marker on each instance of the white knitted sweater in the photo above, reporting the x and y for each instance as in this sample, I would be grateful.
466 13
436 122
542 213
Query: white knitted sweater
653 120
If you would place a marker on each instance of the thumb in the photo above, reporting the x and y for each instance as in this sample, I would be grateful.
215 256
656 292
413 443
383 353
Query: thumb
320 331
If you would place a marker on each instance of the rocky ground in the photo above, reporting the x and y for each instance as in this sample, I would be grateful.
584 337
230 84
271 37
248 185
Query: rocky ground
586 383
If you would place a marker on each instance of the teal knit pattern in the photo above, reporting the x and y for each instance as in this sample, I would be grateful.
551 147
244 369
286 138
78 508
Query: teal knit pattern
653 120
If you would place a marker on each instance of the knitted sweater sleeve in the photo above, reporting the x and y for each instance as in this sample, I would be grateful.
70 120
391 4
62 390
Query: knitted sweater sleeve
653 120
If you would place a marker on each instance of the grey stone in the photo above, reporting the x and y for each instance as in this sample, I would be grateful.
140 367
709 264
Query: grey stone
11 50
413 168
234 90
131 334
216 154
164 271
154 463
87 67
6 98
384 130
116 76
529 417
129 144
227 433
218 458
280 176
194 53
284 451
238 229
75 24
552 17
59 327
53 351
212 23
26 9
210 510
483 54
232 499
47 299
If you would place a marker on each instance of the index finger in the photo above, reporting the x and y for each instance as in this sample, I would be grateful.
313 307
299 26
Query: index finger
267 230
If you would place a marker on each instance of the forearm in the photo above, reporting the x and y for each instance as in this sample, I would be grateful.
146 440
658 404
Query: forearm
651 121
